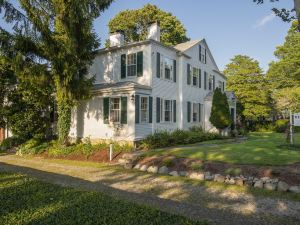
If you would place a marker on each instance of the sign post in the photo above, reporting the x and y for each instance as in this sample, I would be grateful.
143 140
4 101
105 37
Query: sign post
291 128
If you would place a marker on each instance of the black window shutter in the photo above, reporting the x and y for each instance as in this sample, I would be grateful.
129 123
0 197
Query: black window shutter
214 83
123 110
205 80
223 86
137 109
189 112
123 66
200 112
140 60
205 56
150 109
174 111
158 110
158 65
200 79
200 48
188 74
174 71
106 110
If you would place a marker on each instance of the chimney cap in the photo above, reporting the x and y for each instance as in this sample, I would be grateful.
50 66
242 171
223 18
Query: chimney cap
117 32
154 22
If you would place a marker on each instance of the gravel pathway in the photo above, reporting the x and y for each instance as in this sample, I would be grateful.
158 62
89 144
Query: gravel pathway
194 201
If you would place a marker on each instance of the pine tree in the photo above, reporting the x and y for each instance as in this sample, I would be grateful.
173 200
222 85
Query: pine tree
220 114
66 43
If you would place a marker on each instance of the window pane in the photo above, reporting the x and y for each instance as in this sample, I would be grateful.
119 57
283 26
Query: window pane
195 76
168 110
168 68
144 109
195 112
115 110
131 64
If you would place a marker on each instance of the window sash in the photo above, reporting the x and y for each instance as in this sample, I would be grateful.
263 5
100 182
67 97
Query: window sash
115 110
168 68
144 109
168 110
195 76
195 112
132 64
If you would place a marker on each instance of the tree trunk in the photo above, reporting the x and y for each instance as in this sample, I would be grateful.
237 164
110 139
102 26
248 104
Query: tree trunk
64 120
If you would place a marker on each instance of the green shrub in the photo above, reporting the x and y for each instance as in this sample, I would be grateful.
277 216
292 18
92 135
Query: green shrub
168 162
10 142
281 125
177 137
233 171
266 127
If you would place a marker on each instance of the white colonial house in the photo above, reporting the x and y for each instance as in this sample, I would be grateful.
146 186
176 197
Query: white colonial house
144 87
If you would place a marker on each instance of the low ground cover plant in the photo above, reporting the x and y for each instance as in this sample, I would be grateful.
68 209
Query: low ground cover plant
26 200
177 137
55 149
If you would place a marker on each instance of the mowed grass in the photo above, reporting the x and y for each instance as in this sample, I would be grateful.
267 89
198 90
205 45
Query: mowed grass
26 200
260 149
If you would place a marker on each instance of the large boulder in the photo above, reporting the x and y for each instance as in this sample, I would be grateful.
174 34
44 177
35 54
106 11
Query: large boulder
270 186
219 178
131 156
295 189
124 161
196 176
259 184
174 174
183 173
143 168
282 186
152 169
239 181
137 166
163 170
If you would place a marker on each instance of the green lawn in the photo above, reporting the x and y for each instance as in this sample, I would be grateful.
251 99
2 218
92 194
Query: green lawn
259 149
25 200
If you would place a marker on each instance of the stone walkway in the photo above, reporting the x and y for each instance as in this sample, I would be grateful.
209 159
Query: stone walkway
220 206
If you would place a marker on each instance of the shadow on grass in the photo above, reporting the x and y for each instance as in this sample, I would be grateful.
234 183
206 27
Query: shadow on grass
63 205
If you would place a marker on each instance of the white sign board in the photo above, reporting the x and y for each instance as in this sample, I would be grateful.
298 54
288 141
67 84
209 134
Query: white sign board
296 119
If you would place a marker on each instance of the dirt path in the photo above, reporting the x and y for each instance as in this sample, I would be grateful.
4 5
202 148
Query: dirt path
194 201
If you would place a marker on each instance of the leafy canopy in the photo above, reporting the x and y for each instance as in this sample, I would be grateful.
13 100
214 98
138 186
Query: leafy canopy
246 79
220 114
135 24
284 74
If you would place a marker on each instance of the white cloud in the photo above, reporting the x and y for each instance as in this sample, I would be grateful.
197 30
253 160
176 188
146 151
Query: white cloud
263 21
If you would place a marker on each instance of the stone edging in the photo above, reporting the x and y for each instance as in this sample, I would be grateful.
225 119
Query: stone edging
262 183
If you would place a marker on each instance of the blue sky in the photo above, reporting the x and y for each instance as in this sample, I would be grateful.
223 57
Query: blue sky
230 27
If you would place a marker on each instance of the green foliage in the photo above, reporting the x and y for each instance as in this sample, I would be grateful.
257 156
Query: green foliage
220 113
178 137
168 162
135 25
281 125
55 149
10 142
245 78
284 74
233 171
44 203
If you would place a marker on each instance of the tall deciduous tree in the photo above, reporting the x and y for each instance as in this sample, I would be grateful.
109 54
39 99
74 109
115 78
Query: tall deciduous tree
67 43
246 79
135 23
284 74
286 15
220 114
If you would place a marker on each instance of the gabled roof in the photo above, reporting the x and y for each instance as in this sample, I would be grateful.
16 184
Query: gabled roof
186 45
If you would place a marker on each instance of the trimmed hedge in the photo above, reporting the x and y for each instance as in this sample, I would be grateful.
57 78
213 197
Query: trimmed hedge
177 137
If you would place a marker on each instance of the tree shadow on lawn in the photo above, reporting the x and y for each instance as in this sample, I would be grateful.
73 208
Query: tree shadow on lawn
211 204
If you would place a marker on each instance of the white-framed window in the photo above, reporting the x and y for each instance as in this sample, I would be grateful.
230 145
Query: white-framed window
131 65
202 52
195 112
195 76
168 110
115 110
210 83
144 109
220 85
168 68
